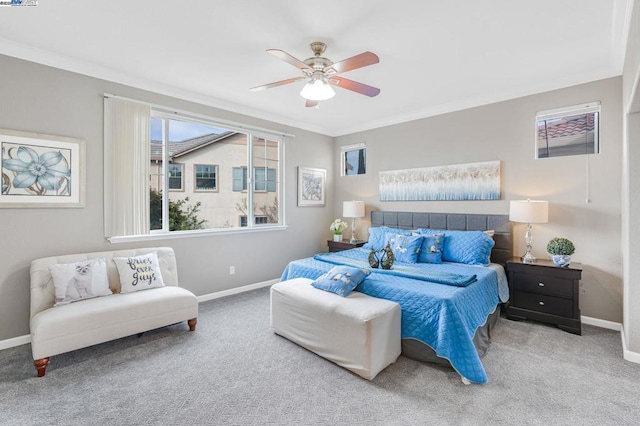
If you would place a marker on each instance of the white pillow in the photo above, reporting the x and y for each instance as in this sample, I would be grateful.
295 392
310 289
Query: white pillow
139 273
79 280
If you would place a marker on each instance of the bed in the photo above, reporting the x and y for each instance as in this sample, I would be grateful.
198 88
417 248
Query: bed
448 309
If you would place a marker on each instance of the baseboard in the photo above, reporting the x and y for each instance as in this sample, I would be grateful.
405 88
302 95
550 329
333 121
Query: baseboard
597 322
23 340
219 294
626 353
15 341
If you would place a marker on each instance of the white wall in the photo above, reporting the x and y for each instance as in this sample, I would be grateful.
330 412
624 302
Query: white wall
505 131
631 188
36 98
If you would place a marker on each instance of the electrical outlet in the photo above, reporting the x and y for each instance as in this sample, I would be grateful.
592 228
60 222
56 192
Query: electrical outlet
581 288
232 270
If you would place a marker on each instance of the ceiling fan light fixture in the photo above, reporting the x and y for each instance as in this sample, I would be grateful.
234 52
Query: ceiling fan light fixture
317 90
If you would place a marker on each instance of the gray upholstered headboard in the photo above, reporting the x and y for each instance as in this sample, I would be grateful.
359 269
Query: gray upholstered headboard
502 251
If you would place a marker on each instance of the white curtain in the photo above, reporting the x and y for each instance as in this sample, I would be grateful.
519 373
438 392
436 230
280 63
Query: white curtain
126 166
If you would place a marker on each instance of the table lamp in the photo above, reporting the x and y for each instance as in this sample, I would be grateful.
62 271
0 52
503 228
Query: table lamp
354 210
529 211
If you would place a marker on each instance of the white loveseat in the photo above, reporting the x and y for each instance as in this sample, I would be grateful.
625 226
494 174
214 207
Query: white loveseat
59 329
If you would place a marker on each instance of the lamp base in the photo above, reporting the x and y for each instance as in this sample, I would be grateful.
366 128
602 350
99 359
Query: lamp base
353 231
528 258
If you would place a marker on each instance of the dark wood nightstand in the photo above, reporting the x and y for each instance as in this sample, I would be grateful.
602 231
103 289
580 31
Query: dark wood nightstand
544 292
343 245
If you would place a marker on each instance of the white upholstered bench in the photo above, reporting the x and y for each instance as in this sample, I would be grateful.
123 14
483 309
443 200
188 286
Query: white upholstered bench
358 332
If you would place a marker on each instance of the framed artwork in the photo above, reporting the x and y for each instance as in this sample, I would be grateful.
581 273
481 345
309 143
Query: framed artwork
353 159
472 181
41 170
311 186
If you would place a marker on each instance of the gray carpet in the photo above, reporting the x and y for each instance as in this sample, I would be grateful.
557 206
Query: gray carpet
234 370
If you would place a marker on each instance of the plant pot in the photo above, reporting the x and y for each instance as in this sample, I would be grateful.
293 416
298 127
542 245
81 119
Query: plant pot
337 237
561 260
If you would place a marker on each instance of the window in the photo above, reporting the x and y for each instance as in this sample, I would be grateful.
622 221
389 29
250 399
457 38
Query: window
258 220
264 178
198 153
171 171
175 177
353 159
206 177
568 131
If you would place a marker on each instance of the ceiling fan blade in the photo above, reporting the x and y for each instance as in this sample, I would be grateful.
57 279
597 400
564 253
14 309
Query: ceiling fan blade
354 86
355 62
310 103
281 54
277 83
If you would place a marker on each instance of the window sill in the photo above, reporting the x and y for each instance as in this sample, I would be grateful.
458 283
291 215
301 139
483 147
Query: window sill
194 234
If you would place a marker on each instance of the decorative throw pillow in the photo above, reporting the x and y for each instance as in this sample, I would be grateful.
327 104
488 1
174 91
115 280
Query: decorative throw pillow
79 280
470 247
406 248
340 279
378 236
431 251
139 272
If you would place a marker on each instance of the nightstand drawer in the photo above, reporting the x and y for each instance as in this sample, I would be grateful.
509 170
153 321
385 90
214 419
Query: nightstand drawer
544 304
543 284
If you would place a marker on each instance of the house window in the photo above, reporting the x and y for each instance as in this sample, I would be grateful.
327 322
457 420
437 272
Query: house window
206 177
258 220
568 131
353 159
175 177
264 179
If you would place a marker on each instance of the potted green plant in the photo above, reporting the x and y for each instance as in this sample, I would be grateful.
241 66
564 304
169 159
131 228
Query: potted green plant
561 250
337 227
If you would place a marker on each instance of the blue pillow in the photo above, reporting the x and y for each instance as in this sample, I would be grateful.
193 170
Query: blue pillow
340 279
432 247
378 236
470 247
406 248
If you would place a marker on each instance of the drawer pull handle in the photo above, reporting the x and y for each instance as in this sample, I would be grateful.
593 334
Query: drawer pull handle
541 284
541 303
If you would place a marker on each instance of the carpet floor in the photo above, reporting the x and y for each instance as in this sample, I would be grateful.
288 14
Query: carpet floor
233 370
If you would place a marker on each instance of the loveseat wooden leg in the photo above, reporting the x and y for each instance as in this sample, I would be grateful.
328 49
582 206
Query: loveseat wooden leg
192 324
41 366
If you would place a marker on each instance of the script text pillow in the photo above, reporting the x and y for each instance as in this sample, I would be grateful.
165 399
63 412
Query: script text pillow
139 272
406 248
340 279
79 280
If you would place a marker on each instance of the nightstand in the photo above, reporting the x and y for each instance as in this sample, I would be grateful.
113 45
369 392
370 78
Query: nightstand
544 292
344 245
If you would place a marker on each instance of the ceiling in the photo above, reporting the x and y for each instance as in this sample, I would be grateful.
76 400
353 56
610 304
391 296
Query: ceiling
435 56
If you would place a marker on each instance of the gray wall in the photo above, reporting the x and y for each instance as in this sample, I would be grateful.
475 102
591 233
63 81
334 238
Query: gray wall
631 187
505 131
37 98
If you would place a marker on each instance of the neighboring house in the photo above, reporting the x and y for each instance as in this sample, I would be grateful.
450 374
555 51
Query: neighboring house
211 169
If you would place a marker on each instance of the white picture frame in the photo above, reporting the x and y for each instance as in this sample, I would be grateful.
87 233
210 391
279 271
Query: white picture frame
311 187
40 170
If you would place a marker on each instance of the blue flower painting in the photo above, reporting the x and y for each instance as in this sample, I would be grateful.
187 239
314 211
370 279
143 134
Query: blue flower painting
35 170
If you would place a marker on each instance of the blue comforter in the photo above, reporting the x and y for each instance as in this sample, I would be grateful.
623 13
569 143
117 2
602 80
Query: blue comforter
443 316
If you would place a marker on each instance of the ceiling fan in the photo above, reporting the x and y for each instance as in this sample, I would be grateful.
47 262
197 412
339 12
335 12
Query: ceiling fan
322 73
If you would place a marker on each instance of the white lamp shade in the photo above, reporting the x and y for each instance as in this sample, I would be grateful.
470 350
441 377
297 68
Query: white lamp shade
317 90
529 211
353 209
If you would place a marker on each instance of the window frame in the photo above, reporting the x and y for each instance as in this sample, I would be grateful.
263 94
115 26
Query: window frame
216 178
181 189
566 112
251 134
